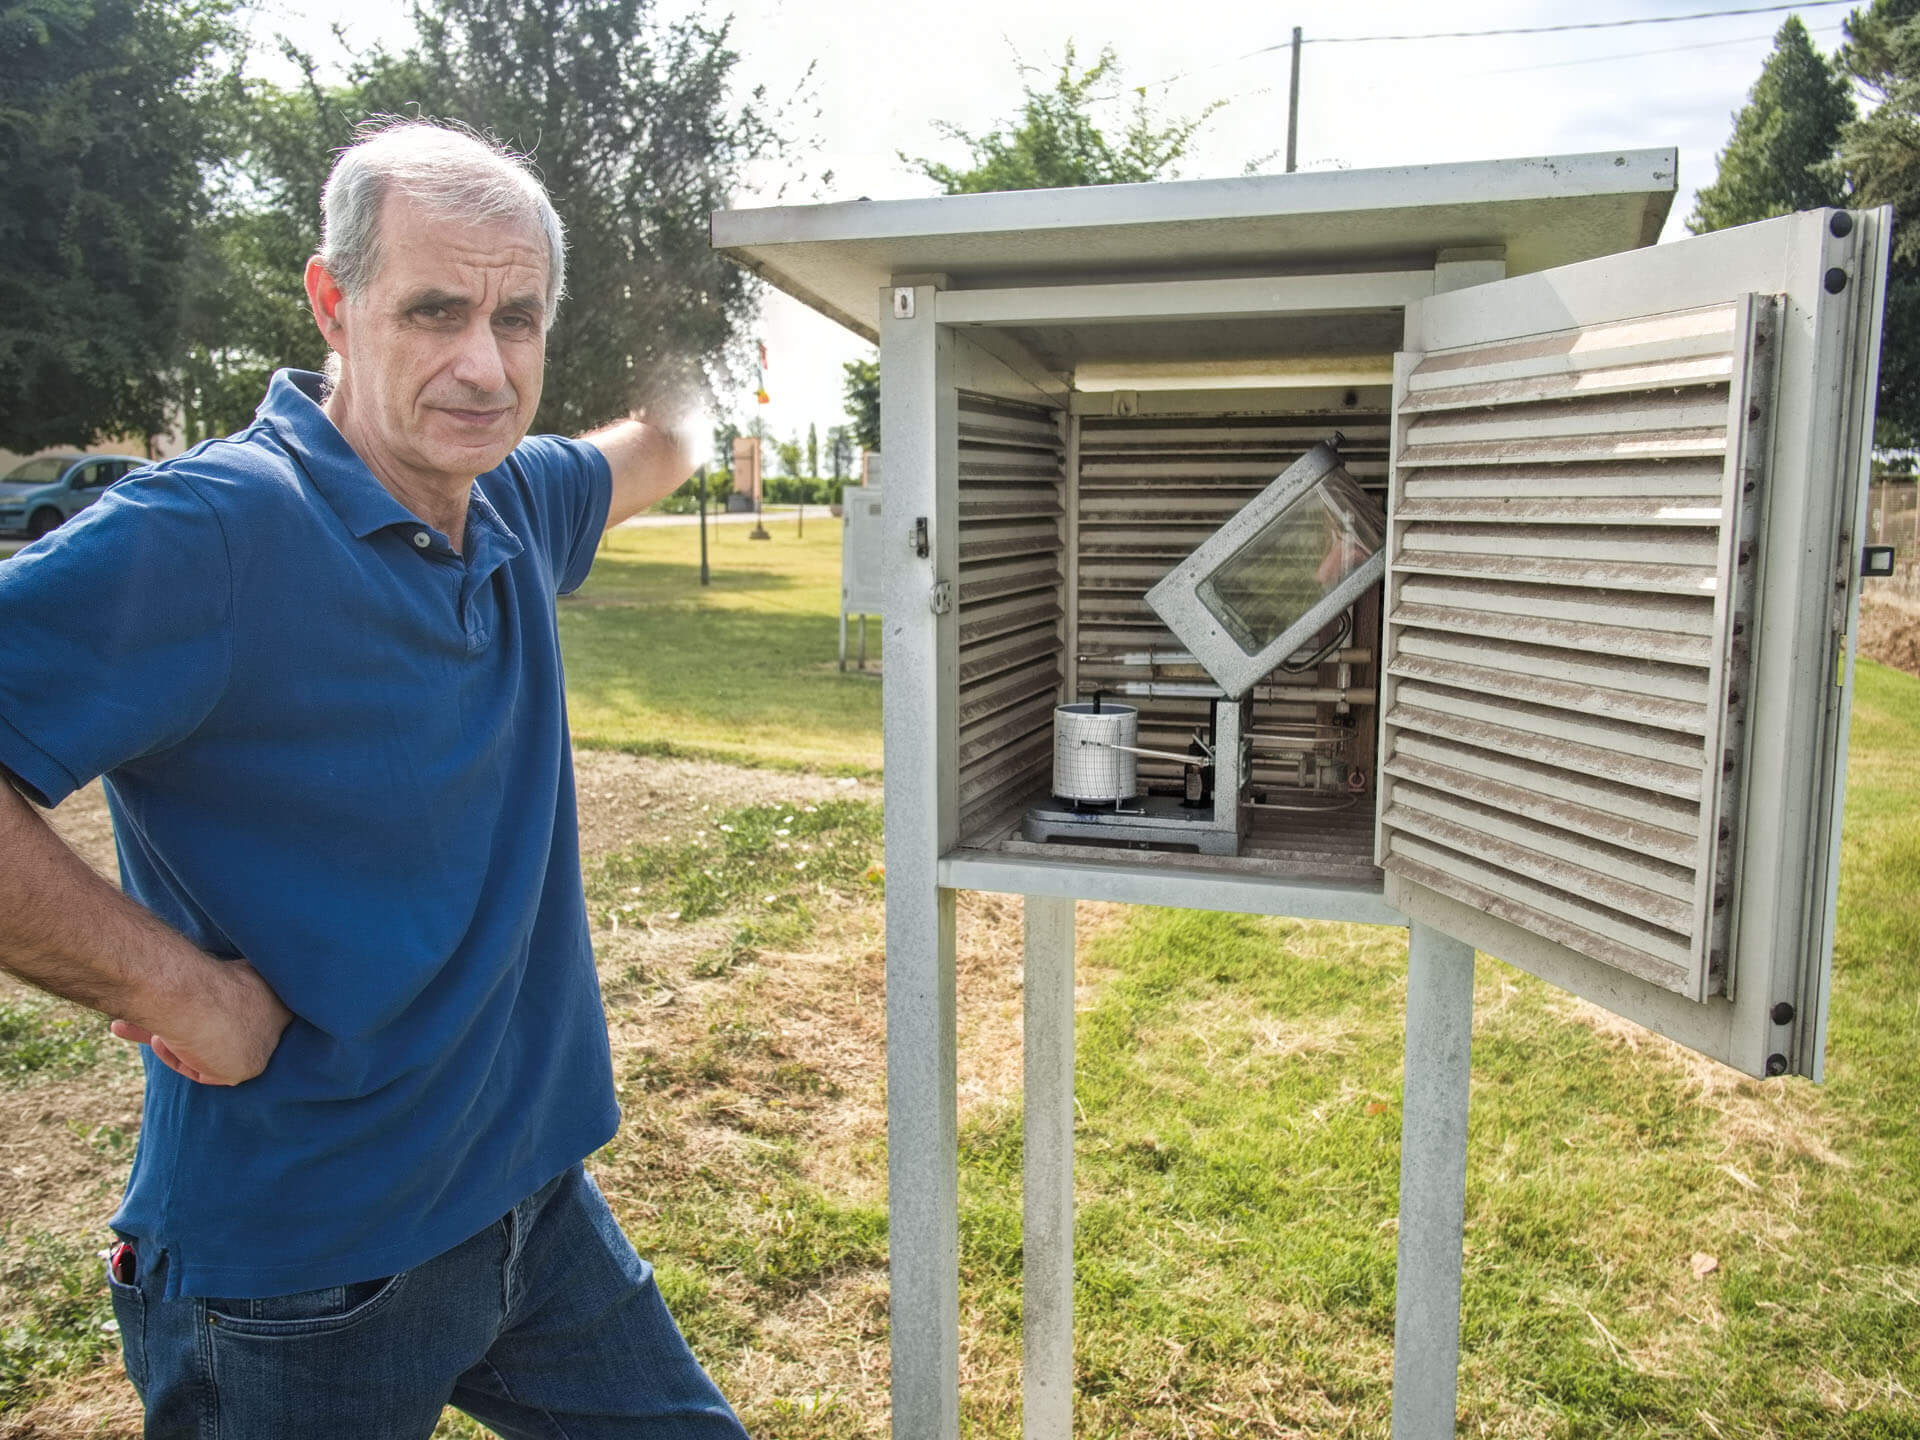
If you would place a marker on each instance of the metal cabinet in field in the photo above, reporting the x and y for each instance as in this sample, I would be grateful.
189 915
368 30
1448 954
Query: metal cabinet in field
1592 718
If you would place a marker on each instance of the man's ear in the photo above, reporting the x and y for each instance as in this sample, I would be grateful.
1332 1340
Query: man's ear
325 298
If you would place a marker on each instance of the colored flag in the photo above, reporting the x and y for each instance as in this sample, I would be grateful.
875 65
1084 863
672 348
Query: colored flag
762 396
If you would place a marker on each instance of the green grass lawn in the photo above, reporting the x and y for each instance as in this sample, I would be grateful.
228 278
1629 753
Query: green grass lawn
744 669
1238 1163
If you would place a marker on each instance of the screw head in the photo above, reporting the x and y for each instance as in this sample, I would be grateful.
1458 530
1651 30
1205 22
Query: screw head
1836 280
1840 224
1776 1064
1783 1013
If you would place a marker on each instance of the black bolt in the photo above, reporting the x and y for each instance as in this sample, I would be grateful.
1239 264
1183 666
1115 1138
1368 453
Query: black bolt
1840 224
1726 830
1836 280
1783 1014
1733 697
1753 412
1776 1064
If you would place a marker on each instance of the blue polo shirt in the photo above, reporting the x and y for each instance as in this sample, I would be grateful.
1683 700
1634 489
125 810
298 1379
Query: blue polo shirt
337 747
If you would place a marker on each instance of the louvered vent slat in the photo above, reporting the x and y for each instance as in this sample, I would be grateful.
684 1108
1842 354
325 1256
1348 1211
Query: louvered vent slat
1561 675
1010 599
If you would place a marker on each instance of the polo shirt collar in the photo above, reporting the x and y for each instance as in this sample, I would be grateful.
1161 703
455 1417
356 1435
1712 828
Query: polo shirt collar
364 505
334 467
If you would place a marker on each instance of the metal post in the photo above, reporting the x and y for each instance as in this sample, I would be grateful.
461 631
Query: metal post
704 576
1047 1291
1433 1185
1293 106
920 713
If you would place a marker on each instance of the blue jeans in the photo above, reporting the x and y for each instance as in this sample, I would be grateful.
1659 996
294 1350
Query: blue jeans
545 1324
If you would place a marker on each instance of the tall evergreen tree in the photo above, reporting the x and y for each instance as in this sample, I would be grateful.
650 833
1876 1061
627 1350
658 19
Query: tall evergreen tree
1777 161
1880 154
108 110
861 390
840 452
813 450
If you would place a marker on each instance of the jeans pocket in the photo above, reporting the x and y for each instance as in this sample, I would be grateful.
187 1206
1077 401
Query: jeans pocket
310 1312
130 1315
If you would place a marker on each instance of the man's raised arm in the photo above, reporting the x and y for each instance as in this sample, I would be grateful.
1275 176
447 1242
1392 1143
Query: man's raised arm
65 929
649 461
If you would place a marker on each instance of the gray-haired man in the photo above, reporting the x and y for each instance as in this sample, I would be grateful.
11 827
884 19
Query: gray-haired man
318 665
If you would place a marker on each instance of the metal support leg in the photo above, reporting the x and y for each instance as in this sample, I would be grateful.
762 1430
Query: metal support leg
843 640
1047 1296
1433 1185
923 1164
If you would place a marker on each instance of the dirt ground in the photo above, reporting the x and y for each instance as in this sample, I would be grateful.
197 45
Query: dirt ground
65 1144
1890 628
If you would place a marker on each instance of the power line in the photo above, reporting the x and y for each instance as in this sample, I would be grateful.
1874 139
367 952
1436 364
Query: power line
1557 29
1516 30
1642 54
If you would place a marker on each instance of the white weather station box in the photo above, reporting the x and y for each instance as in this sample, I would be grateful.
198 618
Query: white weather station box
1467 563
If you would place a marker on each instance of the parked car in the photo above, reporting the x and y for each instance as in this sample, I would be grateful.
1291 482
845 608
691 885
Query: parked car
41 494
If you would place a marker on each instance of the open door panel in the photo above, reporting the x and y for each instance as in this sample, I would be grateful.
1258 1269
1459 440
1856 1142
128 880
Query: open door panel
1624 509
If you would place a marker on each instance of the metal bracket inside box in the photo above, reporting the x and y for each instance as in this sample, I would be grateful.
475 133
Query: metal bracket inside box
1313 494
1164 821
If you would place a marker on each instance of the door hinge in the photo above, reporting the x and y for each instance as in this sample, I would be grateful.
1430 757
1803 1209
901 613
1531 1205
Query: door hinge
940 598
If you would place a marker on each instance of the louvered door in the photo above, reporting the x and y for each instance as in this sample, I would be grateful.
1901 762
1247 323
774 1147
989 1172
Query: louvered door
1563 670
1623 508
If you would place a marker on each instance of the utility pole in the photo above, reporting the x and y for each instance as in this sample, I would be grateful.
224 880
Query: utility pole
1293 107
704 579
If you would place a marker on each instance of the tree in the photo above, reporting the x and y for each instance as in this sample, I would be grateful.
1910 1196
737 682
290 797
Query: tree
108 110
792 455
629 120
813 449
861 390
1783 140
1055 139
840 451
1880 155
245 313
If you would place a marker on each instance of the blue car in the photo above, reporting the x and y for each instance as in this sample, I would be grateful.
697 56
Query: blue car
40 495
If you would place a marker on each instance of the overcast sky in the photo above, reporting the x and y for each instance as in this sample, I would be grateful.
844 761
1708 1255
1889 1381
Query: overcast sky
884 72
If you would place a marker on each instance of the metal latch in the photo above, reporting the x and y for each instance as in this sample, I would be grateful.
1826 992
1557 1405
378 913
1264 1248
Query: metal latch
940 598
1876 561
918 540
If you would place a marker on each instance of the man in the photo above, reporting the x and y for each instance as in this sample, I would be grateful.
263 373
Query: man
318 665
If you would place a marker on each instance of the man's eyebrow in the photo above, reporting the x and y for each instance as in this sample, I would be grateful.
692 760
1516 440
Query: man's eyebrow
528 301
420 299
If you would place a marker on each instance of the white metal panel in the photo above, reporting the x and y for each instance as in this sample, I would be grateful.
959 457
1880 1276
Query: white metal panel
863 572
1542 210
1622 556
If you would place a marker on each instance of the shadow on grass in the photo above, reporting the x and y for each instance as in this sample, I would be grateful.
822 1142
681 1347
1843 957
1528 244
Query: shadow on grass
623 579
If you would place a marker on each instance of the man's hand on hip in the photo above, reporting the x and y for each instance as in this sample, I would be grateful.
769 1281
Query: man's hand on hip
67 930
224 1038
